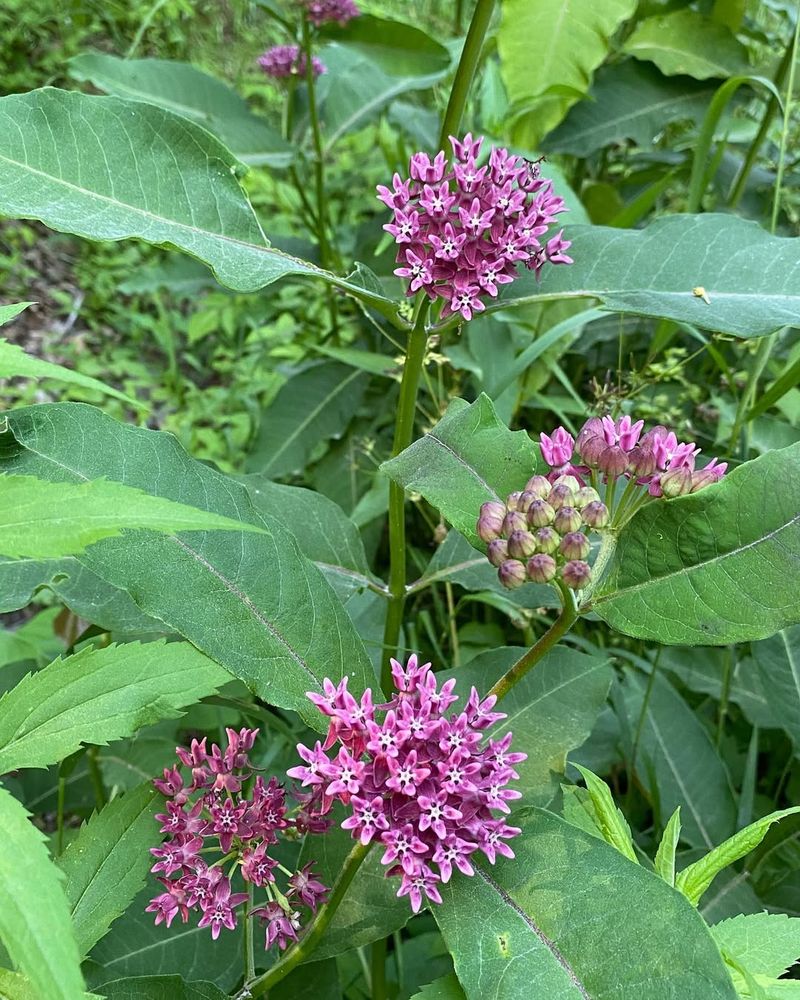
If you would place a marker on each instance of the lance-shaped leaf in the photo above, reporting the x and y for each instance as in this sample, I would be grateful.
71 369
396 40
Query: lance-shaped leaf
664 863
469 457
714 567
766 944
571 919
751 279
7 313
99 695
107 863
612 822
254 603
160 988
110 169
189 92
35 923
43 520
686 42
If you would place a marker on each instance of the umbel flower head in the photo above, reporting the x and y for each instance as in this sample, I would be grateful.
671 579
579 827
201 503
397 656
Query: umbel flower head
321 11
207 810
462 229
282 61
423 783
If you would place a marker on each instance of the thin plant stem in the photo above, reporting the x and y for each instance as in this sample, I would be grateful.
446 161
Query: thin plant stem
451 618
643 712
249 931
378 969
96 778
62 790
146 22
787 107
553 635
305 946
470 56
727 677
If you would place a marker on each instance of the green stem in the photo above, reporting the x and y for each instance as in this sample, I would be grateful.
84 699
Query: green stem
724 699
554 634
378 970
787 107
62 789
608 546
305 946
96 778
248 930
748 396
403 432
643 712
470 56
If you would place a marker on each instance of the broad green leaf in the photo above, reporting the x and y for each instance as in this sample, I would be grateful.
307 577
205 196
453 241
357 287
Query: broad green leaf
324 533
313 406
7 313
34 917
694 880
470 456
34 639
314 981
106 865
685 42
99 695
14 363
665 855
628 100
577 38
577 808
778 661
571 919
160 988
676 749
254 603
653 271
109 169
550 711
765 944
191 93
715 567
43 520
446 988
613 824
399 49
13 986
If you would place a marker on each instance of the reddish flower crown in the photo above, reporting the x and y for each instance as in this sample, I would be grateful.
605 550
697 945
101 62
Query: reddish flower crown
282 61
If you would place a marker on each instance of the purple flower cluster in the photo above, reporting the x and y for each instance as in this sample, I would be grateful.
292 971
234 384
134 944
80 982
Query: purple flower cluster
282 61
320 12
209 811
615 448
462 229
538 534
418 781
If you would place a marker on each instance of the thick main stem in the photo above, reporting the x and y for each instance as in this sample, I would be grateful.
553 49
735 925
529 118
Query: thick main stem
299 952
470 56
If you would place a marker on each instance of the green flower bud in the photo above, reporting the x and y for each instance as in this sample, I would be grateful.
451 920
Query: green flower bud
541 568
497 551
526 498
576 574
595 514
512 500
521 544
561 496
570 482
539 486
676 482
547 540
567 519
490 522
514 521
575 545
540 513
585 496
512 574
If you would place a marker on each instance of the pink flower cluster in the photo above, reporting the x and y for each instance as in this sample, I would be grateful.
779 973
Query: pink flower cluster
321 11
462 229
615 448
283 61
210 811
418 781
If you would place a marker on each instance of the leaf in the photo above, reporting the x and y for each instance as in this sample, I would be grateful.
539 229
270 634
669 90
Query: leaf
628 100
715 567
34 916
16 987
109 169
254 603
99 695
550 711
15 363
313 406
665 855
686 42
677 750
446 988
469 457
191 93
696 878
571 919
7 313
578 38
106 865
314 981
399 49
652 272
44 520
778 661
160 988
612 823
765 944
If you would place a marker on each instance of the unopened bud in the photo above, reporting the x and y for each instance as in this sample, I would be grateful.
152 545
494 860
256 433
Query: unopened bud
497 551
591 442
613 460
512 500
642 461
591 429
575 545
526 498
541 568
570 482
676 482
514 521
490 522
567 519
576 574
561 496
539 486
585 496
512 573
547 540
521 544
540 513
595 514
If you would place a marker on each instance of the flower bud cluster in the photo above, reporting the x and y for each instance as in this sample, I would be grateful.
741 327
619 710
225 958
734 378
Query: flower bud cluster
207 812
615 448
539 534
462 229
422 783
282 61
322 11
